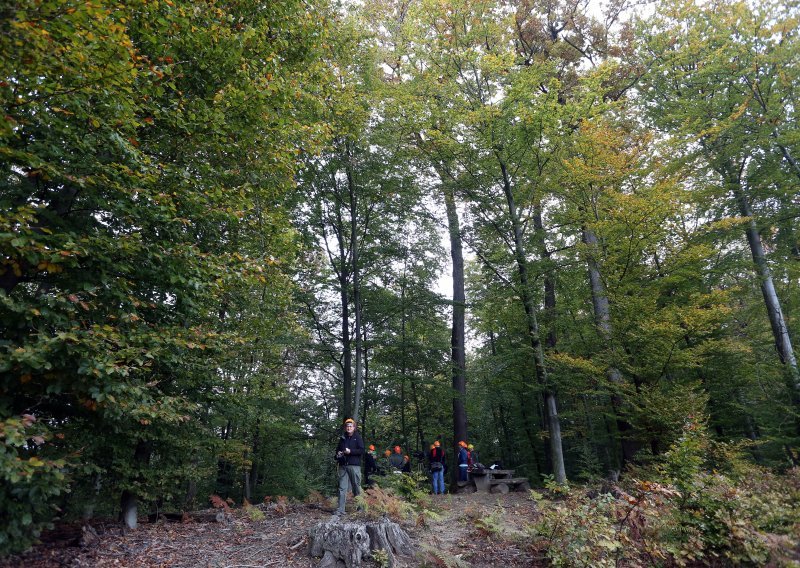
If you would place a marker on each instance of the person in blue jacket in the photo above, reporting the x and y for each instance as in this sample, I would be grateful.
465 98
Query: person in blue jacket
462 461
348 456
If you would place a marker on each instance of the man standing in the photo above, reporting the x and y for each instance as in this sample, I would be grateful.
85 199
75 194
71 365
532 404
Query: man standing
348 456
437 467
370 465
462 461
396 459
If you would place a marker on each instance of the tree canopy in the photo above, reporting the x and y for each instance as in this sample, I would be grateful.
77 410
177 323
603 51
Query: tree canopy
225 227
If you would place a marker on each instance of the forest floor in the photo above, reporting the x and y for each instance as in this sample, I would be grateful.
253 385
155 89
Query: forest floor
457 534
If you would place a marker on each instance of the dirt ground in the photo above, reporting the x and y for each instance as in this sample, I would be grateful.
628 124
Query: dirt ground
464 530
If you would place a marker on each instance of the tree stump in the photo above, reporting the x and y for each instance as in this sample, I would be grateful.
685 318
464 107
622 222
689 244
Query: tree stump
344 544
500 488
388 536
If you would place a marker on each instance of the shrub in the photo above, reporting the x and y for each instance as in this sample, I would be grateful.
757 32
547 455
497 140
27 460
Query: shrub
706 505
29 482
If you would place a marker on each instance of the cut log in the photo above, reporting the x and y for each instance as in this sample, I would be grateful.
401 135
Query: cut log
345 544
500 488
523 486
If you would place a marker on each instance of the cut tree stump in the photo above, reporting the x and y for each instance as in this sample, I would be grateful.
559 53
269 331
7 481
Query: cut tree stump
500 488
345 544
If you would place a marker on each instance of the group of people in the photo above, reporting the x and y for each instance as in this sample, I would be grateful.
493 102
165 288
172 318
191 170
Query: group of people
350 449
467 458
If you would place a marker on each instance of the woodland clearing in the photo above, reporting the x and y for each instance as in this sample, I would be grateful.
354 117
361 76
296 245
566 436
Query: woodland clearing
280 539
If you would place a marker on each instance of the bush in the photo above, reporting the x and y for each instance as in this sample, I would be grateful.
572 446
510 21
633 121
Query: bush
725 506
706 505
28 484
577 532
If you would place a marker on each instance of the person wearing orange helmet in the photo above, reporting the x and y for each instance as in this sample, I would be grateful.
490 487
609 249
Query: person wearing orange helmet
436 458
406 464
462 461
348 457
396 459
370 465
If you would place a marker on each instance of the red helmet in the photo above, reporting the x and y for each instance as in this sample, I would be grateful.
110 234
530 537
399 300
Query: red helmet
397 449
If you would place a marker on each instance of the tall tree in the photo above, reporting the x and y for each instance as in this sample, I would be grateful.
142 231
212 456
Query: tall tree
730 111
145 151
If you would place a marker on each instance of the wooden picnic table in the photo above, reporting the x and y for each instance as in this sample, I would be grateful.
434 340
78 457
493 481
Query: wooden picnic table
498 481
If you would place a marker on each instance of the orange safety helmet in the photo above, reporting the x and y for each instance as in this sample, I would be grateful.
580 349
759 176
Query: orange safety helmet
387 453
371 448
436 443
463 444
350 421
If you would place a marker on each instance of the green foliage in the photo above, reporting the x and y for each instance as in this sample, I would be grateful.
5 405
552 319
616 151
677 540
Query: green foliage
146 150
707 503
722 500
430 556
381 558
413 487
579 533
30 483
555 488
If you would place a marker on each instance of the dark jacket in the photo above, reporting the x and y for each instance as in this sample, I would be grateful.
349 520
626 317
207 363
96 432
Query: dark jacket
370 465
436 456
356 445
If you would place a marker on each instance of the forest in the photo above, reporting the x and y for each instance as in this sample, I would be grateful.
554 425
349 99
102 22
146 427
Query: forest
566 231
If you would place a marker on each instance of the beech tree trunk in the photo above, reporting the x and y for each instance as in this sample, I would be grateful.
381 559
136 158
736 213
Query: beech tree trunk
457 343
351 187
344 282
780 330
602 318
551 406
128 501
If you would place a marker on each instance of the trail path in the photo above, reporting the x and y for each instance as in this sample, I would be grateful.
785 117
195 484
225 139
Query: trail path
473 530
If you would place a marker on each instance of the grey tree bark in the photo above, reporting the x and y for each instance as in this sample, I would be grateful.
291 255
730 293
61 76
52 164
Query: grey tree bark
457 343
551 406
602 317
351 186
780 330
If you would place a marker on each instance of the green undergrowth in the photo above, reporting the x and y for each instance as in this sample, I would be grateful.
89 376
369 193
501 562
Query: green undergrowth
701 505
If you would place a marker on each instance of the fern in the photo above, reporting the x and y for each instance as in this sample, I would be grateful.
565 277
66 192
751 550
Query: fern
436 557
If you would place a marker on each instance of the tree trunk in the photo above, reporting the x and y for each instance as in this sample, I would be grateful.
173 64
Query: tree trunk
351 187
551 407
347 356
457 343
128 500
602 318
780 331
